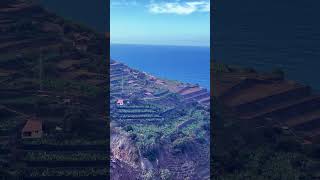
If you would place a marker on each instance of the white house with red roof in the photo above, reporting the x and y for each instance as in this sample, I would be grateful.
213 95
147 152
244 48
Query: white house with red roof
32 129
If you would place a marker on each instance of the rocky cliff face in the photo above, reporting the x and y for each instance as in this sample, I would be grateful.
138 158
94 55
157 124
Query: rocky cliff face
123 149
125 157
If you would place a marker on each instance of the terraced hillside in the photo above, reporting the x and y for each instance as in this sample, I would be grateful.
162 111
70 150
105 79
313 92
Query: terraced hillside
166 122
137 114
52 72
265 126
260 100
132 83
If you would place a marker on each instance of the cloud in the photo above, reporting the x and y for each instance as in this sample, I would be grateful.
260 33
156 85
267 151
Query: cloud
122 3
180 8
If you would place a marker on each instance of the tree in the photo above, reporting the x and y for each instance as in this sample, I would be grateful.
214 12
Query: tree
180 145
148 175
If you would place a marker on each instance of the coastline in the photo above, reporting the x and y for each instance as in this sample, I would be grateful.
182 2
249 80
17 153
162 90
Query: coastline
183 63
167 80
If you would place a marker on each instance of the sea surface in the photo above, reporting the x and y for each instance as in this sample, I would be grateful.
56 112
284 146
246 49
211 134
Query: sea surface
268 34
183 63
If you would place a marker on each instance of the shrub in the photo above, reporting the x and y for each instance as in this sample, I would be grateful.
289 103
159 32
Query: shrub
165 174
180 145
128 128
150 151
148 175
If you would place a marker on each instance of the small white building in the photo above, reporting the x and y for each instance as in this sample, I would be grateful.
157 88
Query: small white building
120 102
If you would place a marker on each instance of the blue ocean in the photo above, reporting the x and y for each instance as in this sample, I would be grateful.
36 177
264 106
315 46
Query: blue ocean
183 63
268 34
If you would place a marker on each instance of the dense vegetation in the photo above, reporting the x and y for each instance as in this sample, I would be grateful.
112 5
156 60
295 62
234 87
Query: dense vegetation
242 152
150 137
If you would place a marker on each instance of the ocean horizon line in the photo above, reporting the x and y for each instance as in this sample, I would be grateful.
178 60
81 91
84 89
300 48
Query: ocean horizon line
166 45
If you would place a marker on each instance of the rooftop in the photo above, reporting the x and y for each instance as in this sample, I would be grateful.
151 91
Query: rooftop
32 125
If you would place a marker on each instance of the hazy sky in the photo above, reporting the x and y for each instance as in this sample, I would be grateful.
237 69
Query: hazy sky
167 22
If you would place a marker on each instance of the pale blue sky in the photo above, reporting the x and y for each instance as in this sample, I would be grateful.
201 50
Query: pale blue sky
160 22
